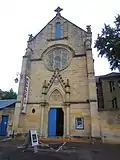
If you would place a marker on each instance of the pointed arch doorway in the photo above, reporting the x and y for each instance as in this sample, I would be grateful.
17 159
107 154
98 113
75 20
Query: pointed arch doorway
55 114
55 122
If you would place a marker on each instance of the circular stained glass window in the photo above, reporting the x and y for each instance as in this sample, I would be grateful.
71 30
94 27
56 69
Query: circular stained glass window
57 58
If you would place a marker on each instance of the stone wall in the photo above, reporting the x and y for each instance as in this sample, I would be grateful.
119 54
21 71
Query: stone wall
30 120
83 111
110 126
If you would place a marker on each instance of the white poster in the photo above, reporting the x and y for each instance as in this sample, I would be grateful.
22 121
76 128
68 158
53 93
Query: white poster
79 123
34 138
25 95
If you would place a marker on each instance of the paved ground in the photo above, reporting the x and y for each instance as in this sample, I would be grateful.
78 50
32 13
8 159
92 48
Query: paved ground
9 150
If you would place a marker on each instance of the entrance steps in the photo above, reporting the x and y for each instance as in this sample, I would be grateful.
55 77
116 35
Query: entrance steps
62 139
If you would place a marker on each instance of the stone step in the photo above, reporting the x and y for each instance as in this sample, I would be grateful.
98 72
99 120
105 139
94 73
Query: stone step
61 139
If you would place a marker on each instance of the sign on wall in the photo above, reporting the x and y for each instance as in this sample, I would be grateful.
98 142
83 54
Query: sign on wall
25 95
79 123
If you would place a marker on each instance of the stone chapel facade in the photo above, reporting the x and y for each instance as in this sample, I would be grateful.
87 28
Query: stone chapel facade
57 88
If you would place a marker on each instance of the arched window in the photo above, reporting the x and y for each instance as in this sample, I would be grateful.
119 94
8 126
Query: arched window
58 30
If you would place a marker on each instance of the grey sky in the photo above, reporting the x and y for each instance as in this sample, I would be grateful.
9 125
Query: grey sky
18 18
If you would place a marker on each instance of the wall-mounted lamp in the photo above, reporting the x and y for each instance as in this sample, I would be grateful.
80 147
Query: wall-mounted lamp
17 78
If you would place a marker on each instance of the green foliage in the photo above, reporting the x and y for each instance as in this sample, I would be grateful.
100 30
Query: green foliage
108 43
8 94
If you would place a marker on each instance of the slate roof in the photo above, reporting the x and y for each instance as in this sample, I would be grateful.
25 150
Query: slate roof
112 74
7 103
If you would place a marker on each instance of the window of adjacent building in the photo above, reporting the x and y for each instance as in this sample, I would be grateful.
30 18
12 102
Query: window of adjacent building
79 123
114 102
58 30
112 86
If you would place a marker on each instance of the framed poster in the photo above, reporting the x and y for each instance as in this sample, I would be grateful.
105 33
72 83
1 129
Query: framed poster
34 138
79 123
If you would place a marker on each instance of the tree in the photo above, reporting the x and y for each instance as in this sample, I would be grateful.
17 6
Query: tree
8 94
108 43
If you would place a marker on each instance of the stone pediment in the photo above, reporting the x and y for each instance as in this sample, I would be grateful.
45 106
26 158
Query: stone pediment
55 80
56 85
56 96
55 19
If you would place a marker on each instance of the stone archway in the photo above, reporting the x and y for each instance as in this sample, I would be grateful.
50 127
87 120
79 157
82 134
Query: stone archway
55 114
55 96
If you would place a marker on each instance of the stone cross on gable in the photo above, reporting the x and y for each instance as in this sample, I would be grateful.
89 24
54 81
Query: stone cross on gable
58 10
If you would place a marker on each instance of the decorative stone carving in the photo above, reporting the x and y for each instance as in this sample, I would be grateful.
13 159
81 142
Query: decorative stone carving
44 87
29 51
56 81
88 27
56 96
67 86
88 44
56 76
67 94
58 10
30 37
43 100
88 41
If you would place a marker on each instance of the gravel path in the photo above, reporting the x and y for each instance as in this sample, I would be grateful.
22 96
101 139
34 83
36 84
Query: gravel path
9 150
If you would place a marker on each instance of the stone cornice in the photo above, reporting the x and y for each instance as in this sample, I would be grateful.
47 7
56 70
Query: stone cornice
71 102
36 59
79 55
57 39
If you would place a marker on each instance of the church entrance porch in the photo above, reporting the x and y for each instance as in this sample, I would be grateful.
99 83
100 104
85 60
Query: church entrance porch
55 122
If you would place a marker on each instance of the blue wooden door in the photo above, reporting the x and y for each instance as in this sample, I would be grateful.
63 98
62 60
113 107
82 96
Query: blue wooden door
52 122
3 126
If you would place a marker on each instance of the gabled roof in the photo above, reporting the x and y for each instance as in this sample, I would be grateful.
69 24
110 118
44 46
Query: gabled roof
51 21
6 103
